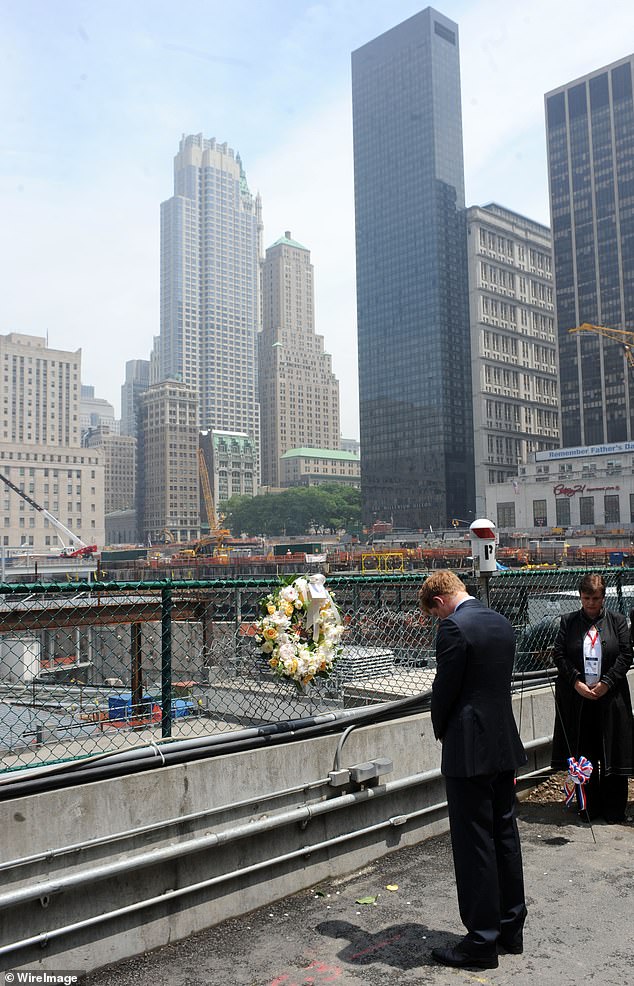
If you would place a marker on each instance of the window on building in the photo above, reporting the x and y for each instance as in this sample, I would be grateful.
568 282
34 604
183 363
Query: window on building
631 508
586 509
540 515
506 514
612 509
562 511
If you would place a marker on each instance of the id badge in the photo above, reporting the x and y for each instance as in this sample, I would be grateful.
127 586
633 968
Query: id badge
592 667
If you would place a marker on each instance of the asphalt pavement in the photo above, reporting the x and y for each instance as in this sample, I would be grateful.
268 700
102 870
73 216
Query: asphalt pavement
580 928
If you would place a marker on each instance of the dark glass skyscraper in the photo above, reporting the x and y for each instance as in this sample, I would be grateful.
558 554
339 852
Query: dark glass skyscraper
412 285
590 129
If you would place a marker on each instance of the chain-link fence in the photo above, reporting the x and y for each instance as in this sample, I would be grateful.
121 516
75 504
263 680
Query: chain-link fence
91 668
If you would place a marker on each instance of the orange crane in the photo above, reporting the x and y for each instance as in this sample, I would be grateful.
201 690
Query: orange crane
616 335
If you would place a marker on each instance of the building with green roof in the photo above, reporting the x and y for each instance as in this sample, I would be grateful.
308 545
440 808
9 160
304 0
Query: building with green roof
312 466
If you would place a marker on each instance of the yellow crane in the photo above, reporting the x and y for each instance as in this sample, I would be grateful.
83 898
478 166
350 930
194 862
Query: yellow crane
216 534
616 335
206 485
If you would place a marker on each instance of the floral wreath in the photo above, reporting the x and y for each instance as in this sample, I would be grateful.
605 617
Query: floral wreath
300 630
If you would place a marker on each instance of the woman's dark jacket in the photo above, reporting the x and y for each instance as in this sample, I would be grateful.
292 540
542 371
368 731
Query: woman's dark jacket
615 707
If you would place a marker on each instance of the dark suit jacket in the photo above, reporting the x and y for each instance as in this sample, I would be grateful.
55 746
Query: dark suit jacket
471 695
614 710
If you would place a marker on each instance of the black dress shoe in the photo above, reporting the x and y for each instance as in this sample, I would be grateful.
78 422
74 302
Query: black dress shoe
514 946
461 959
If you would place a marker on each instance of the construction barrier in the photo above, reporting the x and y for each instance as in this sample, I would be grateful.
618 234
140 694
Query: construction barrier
88 668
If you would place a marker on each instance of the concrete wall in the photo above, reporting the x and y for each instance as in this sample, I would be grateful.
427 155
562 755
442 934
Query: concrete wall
100 810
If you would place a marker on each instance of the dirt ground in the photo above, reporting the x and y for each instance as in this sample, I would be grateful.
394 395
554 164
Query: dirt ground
550 792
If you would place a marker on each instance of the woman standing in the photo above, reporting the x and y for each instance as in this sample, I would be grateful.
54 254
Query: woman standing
593 716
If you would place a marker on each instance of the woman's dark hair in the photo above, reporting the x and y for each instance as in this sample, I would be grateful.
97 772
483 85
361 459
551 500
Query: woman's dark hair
592 583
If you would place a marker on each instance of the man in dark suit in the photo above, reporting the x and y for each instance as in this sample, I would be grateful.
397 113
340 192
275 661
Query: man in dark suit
481 749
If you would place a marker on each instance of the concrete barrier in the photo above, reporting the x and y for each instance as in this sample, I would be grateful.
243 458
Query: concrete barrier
214 838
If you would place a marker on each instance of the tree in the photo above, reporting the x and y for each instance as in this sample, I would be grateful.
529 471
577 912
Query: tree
297 510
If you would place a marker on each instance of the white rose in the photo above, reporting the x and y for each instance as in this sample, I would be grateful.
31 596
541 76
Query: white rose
286 652
288 594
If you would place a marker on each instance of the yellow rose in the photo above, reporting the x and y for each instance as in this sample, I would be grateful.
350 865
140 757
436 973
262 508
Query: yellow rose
270 633
273 662
270 608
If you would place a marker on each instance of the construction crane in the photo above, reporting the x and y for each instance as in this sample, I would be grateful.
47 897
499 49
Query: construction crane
77 548
616 335
216 534
206 486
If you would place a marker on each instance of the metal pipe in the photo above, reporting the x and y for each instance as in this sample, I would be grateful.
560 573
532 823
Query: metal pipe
304 813
105 765
342 740
536 773
394 821
169 895
528 673
166 662
101 765
535 744
50 854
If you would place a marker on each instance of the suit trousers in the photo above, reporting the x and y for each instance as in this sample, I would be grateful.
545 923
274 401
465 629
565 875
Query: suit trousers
487 857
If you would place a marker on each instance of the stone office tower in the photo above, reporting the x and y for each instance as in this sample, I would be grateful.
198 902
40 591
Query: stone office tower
513 344
590 131
299 394
412 289
211 233
40 447
167 464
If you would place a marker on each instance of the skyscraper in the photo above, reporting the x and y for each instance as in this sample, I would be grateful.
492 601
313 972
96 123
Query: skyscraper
513 343
137 381
299 394
95 412
118 453
412 289
40 447
167 463
210 253
590 131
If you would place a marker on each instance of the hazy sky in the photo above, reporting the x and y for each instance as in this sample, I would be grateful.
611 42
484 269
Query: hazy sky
94 97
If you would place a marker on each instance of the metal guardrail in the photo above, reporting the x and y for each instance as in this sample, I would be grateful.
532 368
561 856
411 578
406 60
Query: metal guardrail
88 668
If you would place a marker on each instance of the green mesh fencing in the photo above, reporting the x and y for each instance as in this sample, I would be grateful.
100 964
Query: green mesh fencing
92 668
